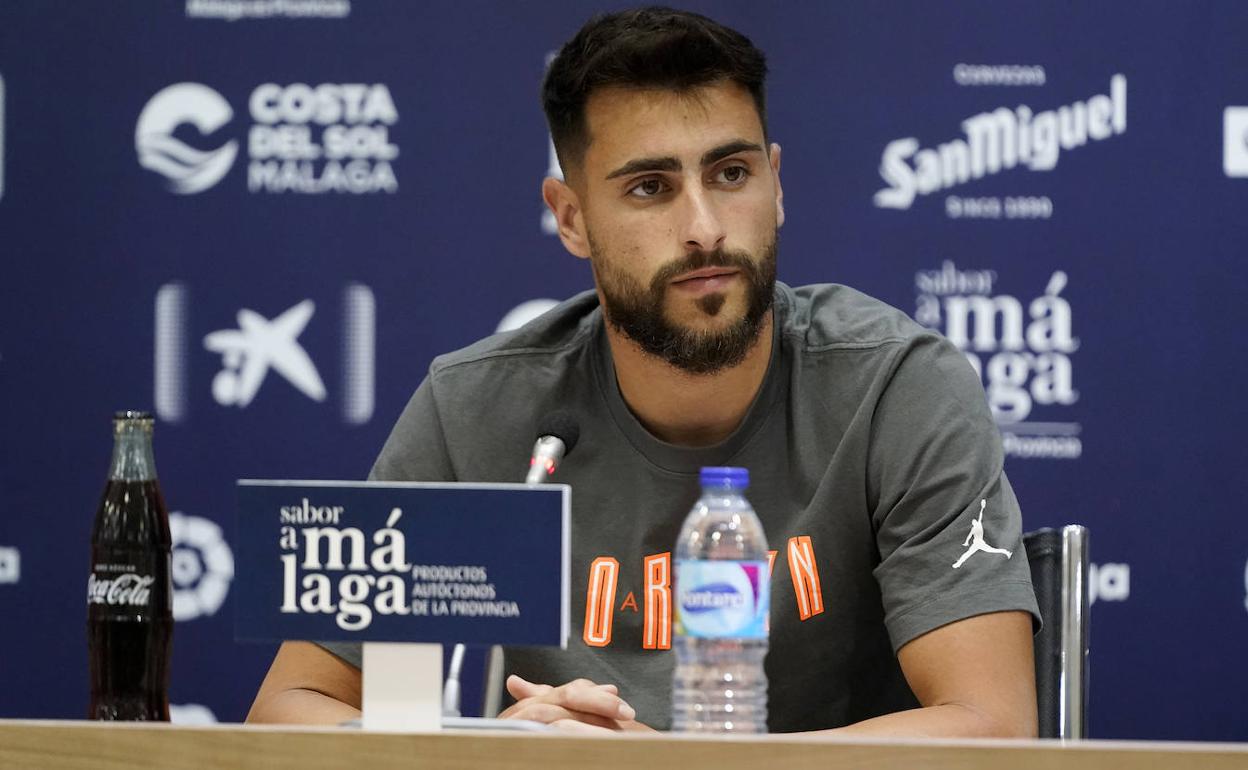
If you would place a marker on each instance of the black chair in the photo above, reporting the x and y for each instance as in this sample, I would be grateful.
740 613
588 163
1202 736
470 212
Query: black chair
1059 574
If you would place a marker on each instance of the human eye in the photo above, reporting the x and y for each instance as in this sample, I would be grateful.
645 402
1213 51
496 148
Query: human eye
649 187
735 174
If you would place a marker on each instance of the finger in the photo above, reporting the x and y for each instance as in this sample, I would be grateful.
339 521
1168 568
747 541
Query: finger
582 682
535 711
594 700
517 683
573 726
549 713
614 690
518 709
522 688
578 695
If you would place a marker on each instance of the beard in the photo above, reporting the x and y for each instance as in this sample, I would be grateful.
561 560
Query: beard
638 312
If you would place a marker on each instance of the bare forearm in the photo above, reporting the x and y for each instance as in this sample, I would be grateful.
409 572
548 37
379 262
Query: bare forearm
300 707
947 721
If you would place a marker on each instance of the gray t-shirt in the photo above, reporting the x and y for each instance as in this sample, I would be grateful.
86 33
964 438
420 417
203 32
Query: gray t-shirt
875 468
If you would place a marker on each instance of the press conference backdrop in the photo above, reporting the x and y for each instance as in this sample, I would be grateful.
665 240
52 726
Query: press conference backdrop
263 218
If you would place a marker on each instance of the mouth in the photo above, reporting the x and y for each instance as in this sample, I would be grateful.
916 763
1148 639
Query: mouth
708 279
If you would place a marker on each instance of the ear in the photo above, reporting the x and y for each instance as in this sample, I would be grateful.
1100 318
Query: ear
564 203
775 176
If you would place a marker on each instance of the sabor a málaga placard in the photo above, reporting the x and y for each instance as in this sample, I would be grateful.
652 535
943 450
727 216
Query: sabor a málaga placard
403 562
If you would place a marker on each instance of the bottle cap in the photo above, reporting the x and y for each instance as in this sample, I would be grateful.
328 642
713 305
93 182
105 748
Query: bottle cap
132 414
737 478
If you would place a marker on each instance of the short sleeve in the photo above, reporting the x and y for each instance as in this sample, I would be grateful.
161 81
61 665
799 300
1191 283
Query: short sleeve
947 524
349 652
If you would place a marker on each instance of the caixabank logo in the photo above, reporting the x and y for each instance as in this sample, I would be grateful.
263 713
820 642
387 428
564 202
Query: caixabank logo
262 346
311 139
1023 350
998 140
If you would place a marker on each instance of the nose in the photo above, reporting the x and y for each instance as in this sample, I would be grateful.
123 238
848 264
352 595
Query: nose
703 227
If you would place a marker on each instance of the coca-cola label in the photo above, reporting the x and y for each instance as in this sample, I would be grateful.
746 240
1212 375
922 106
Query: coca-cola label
127 581
130 589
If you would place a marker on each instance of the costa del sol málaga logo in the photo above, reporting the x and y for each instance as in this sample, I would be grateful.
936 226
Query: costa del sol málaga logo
187 169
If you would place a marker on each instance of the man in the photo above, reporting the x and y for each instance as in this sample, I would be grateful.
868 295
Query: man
868 439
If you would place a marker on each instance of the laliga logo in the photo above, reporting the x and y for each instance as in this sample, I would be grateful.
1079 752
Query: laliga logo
10 565
1235 141
1109 582
188 170
202 566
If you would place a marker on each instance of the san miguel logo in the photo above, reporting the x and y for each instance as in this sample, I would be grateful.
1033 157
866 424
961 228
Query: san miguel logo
994 142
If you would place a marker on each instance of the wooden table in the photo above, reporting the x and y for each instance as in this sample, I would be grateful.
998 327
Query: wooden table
36 745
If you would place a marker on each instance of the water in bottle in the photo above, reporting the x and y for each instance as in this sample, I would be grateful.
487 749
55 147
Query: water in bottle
129 614
722 589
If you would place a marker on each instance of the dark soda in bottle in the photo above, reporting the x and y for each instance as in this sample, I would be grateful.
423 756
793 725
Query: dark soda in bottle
129 610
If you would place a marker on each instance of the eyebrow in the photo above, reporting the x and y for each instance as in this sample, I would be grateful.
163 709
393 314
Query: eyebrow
670 163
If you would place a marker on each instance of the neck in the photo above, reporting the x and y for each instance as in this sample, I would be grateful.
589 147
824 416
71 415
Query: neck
686 409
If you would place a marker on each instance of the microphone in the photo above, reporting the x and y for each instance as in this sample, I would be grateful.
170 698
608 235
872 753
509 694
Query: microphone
450 691
557 434
556 437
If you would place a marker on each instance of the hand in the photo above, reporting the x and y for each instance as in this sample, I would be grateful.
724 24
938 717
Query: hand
579 705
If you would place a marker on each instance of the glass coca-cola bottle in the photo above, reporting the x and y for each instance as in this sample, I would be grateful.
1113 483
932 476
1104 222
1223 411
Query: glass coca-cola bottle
129 612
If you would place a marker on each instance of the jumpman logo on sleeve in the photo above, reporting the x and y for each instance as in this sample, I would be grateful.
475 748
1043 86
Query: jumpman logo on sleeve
976 539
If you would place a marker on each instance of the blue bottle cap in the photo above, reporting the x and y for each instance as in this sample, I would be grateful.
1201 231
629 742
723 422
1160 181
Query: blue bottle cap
737 478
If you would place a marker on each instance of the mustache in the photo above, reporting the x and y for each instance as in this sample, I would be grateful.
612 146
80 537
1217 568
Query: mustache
696 260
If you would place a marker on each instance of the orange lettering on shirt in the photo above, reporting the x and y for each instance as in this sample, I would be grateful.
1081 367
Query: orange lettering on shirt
771 562
657 632
604 574
629 601
805 575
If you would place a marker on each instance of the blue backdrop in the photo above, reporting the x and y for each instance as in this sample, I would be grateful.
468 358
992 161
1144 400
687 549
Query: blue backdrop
338 190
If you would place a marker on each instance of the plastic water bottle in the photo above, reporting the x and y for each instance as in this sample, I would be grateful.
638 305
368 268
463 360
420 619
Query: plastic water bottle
722 598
